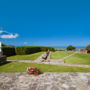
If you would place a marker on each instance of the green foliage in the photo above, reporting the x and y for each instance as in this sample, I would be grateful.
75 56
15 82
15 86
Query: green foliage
70 47
31 49
27 50
47 48
8 51
3 45
88 47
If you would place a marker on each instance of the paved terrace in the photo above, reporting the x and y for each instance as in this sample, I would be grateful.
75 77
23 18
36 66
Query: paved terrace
46 81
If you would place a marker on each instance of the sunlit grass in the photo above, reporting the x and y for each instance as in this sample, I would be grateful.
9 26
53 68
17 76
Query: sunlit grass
25 57
21 67
78 58
59 55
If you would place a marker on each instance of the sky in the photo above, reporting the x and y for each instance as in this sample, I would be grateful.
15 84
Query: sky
45 22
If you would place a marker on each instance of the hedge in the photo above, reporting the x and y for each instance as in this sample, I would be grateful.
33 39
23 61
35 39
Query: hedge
47 48
31 49
88 47
27 50
8 51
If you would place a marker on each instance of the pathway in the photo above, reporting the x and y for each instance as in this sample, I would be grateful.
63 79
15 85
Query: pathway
52 62
61 61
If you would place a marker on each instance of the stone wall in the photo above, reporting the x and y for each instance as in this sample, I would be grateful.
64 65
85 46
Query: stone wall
2 59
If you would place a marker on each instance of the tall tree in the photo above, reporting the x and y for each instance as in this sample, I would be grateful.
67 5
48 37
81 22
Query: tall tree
70 47
88 47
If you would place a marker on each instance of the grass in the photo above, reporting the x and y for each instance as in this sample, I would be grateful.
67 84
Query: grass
21 67
59 55
25 57
79 58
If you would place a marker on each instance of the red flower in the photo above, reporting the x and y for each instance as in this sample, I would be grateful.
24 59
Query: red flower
35 75
33 70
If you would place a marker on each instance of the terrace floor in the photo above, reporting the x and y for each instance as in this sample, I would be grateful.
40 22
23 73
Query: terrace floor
46 81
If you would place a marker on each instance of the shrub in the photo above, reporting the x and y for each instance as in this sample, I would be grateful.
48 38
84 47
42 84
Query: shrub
88 47
31 49
70 47
8 51
27 50
47 48
3 45
33 71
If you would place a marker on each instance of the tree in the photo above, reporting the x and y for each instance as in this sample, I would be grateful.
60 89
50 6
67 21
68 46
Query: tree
3 44
70 47
88 47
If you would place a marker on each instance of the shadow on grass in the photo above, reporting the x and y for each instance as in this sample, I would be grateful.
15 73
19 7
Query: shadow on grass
5 63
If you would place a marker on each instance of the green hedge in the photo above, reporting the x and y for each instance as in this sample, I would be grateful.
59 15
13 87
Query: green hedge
47 48
8 51
27 50
31 49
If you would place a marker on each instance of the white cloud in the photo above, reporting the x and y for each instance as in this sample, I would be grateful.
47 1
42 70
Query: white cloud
1 31
8 35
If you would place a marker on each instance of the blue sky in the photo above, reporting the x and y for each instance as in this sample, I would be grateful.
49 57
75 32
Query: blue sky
45 22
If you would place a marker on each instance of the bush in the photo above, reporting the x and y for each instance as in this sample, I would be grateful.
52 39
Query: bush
31 49
88 47
34 71
47 48
71 48
27 50
8 51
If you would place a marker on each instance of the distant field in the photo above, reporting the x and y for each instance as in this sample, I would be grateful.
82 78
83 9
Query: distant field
25 57
21 67
59 55
79 58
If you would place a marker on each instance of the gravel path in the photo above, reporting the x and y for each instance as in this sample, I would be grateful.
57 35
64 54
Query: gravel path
46 81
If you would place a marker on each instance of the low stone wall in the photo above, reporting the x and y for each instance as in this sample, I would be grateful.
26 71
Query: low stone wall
2 59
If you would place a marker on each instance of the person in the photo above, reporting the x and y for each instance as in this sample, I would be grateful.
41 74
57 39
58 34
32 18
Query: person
45 55
47 52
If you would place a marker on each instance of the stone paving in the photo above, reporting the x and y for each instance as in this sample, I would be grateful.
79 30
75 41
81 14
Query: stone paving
45 81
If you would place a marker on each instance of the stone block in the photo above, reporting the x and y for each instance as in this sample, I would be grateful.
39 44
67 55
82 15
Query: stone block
2 59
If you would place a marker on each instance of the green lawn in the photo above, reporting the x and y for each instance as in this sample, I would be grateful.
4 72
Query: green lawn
79 58
25 57
59 55
21 67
